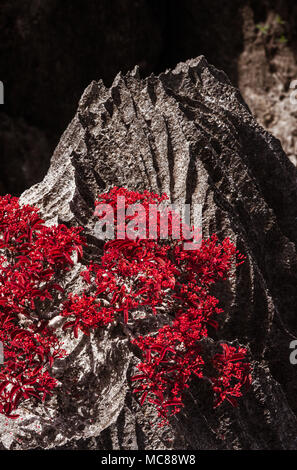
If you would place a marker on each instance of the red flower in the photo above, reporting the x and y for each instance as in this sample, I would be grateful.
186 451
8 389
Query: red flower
32 257
161 275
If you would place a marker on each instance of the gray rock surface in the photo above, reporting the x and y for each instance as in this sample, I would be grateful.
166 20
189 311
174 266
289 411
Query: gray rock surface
189 133
267 72
46 62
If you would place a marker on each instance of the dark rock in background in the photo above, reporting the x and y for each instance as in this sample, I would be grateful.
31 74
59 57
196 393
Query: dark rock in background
51 50
267 69
189 133
23 149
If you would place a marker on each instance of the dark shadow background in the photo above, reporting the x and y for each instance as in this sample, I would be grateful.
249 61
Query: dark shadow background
51 50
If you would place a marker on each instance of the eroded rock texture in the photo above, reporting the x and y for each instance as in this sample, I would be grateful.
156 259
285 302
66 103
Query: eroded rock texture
189 133
267 69
51 50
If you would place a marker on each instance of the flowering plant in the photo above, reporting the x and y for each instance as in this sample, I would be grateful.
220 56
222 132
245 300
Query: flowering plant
160 275
32 259
152 275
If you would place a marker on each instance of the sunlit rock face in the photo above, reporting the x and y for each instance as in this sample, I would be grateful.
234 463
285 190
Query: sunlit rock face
189 133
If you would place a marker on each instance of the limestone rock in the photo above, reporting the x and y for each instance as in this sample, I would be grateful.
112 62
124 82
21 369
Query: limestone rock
189 133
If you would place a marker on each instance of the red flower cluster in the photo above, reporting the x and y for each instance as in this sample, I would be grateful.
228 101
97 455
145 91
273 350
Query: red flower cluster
88 313
32 258
131 201
151 275
161 275
175 353
232 375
